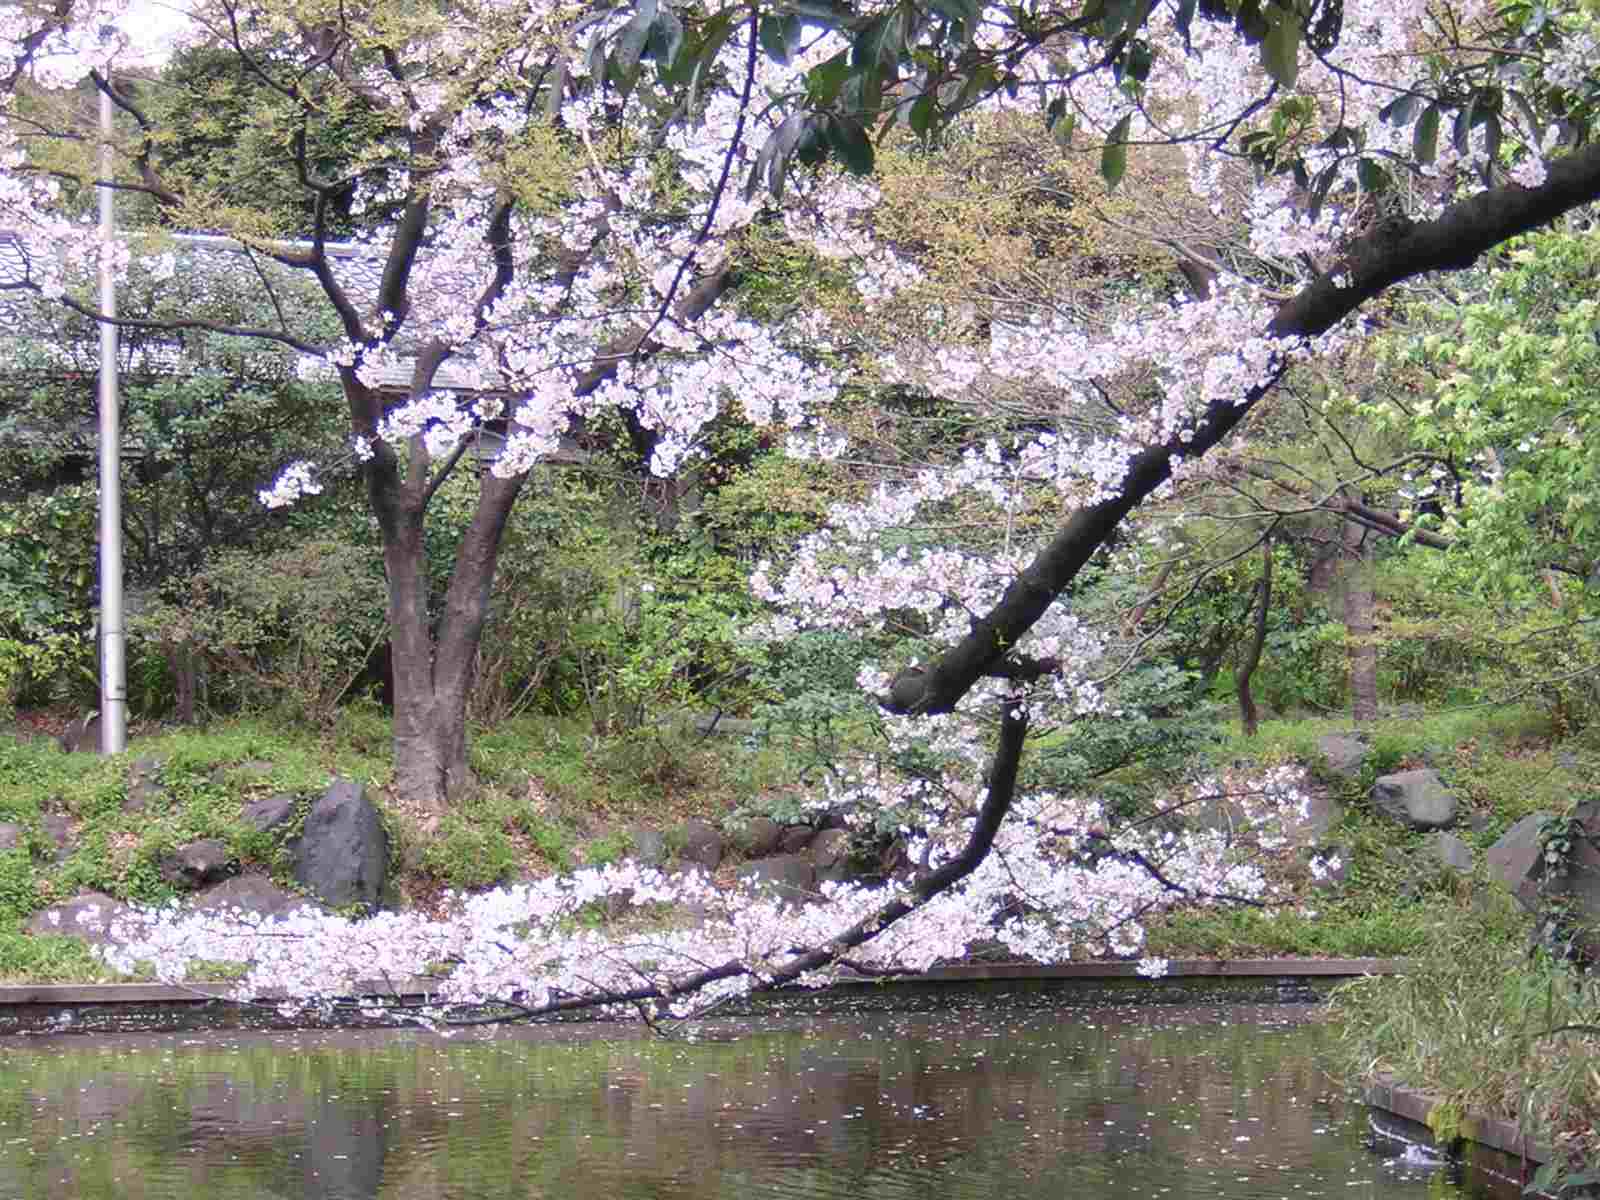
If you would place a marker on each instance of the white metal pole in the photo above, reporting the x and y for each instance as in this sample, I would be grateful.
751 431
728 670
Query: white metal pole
113 639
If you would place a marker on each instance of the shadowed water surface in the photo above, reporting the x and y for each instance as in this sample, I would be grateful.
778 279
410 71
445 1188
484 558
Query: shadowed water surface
1166 1103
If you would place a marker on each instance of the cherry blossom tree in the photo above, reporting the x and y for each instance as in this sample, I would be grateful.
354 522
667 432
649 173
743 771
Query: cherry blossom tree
574 183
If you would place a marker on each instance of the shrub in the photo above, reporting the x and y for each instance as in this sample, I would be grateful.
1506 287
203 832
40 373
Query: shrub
290 630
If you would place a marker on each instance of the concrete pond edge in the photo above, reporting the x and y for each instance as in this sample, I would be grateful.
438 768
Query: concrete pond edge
1493 1147
156 1007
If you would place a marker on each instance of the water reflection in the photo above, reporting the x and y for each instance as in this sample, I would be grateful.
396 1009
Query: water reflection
1154 1103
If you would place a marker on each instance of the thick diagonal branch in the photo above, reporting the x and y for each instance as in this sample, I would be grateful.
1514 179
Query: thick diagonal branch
1387 255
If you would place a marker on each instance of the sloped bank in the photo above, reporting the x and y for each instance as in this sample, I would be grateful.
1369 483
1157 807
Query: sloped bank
146 1007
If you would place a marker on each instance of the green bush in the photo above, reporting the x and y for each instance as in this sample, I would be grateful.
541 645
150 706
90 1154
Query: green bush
45 573
19 889
291 630
468 854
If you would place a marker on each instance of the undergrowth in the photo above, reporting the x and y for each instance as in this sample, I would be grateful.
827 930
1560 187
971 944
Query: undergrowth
1486 1027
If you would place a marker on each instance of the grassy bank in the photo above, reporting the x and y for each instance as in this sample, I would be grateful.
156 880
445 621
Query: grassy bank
556 797
1490 1029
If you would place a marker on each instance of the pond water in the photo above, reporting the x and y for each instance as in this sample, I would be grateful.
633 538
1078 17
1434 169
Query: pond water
1171 1103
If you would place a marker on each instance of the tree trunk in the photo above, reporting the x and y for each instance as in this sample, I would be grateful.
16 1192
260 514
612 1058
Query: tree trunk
1358 625
434 654
181 664
1258 638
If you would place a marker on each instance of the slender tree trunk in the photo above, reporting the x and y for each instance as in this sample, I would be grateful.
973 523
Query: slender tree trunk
1358 625
1258 638
181 665
1130 627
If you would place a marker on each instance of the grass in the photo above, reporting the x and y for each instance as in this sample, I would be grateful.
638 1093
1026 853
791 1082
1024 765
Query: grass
48 959
205 775
1483 1025
1336 930
1397 738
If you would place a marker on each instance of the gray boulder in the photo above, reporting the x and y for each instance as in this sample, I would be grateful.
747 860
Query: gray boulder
10 836
83 734
795 838
1343 752
342 854
1449 851
198 863
1579 887
702 845
269 813
58 827
88 916
790 877
1322 814
757 837
253 893
142 791
1563 891
830 855
1417 798
1517 859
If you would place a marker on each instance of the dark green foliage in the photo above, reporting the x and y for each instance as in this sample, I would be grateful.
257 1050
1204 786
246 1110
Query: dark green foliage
229 135
291 629
1132 758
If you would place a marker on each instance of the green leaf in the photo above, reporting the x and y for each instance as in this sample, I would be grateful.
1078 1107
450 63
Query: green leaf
1062 129
1465 120
1137 61
1124 16
1491 136
1280 49
922 114
1320 188
824 80
812 148
850 142
780 37
871 42
1114 158
1372 176
623 66
665 40
964 11
597 57
1251 22
830 14
713 36
557 94
1342 138
1425 137
1400 110
772 162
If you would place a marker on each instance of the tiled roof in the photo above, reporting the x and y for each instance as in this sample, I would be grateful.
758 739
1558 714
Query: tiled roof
358 269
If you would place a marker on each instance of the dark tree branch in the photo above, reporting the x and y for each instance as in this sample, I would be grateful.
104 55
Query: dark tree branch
1385 256
147 172
269 335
